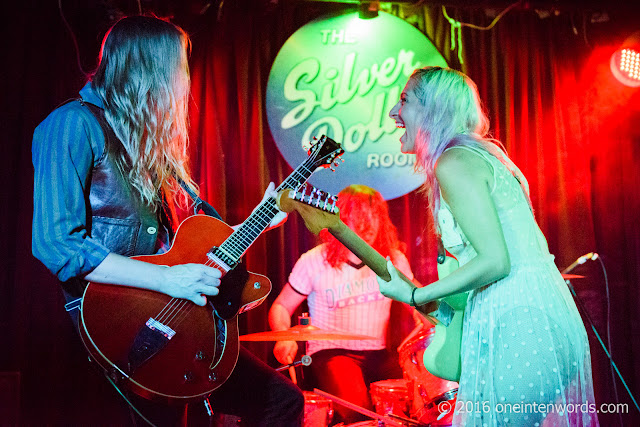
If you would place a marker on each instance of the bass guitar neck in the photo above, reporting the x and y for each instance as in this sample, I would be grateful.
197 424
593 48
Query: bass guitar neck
318 211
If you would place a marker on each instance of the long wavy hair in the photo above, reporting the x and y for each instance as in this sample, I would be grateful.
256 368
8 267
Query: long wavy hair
143 80
452 115
360 206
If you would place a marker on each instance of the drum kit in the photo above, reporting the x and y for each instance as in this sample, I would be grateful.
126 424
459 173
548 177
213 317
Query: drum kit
419 399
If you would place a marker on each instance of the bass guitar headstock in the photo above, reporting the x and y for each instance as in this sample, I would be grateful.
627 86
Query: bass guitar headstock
316 198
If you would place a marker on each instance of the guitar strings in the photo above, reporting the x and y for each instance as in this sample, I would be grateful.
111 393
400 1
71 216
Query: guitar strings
239 242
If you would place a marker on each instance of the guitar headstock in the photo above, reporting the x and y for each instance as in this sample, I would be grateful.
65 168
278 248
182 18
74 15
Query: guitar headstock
317 208
315 197
324 153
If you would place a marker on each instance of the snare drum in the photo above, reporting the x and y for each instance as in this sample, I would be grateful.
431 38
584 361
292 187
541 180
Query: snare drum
318 410
427 388
391 397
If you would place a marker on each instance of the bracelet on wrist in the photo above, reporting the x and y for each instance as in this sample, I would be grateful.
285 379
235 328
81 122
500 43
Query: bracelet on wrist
413 297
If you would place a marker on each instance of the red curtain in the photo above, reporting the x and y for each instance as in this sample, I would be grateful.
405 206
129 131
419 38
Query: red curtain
565 121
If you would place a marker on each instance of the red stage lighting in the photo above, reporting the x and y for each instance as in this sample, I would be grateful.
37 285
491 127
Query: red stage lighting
625 62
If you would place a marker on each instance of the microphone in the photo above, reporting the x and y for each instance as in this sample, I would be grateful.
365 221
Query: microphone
591 255
305 360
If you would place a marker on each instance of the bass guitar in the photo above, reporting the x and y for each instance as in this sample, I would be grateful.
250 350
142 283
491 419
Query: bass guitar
319 211
170 349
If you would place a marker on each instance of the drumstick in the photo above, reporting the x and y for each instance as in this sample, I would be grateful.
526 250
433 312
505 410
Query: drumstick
292 374
292 371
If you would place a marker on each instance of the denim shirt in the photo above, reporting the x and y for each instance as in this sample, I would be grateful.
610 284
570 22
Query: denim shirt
83 207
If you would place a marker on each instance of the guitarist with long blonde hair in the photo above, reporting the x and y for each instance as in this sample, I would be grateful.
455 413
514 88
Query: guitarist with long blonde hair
109 168
523 341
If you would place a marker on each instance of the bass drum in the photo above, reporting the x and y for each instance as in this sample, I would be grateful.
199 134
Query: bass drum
428 390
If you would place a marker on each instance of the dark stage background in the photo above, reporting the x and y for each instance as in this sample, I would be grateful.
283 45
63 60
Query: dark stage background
544 77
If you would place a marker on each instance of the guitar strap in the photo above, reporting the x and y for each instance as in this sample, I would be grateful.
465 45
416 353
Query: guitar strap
199 204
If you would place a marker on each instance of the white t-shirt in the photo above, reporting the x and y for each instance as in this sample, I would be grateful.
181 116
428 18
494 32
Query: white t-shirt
346 299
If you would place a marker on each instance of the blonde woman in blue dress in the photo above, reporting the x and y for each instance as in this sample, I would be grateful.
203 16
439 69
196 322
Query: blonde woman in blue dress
523 341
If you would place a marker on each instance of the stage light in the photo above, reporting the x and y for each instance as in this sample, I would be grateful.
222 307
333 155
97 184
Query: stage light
625 62
368 9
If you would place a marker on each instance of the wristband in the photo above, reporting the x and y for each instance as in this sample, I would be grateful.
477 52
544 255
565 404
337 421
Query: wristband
413 296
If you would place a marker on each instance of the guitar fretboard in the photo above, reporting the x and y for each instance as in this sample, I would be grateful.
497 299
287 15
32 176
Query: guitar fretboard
242 238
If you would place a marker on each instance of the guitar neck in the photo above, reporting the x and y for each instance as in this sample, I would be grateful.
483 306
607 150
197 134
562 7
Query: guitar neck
318 212
244 236
372 258
362 250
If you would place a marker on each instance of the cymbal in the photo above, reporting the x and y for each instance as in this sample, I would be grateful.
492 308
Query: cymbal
572 276
303 333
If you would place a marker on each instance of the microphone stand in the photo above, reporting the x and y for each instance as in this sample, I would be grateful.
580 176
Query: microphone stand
584 311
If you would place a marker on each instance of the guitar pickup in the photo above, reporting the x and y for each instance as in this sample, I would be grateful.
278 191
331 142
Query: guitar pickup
222 259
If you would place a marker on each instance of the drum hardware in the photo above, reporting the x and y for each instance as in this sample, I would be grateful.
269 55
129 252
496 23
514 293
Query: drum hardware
428 390
431 410
391 420
303 333
304 361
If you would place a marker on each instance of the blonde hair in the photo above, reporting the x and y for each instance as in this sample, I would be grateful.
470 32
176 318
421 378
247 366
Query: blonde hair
143 80
452 115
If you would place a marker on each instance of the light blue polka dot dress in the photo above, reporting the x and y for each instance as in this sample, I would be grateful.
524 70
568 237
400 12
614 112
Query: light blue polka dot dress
525 352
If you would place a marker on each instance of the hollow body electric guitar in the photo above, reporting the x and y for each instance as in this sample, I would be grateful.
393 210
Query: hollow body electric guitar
319 211
170 349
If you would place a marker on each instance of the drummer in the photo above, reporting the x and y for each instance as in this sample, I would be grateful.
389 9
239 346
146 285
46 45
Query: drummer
343 295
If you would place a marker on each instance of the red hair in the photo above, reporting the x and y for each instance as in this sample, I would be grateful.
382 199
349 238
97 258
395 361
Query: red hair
361 208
